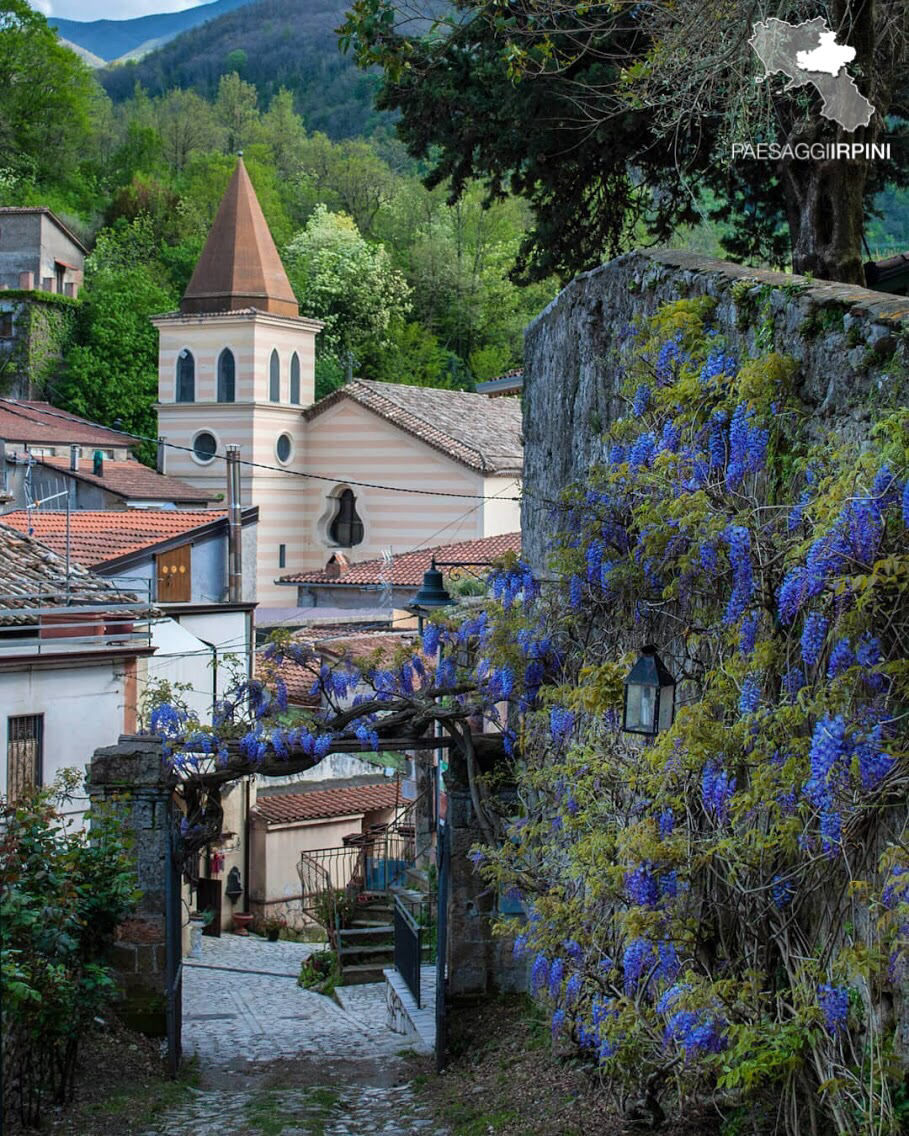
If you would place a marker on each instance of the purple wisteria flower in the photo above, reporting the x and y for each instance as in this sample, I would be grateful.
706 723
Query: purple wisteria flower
750 697
717 788
814 633
841 658
834 1004
641 403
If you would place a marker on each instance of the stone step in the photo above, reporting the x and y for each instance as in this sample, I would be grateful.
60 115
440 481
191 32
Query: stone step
418 880
368 925
364 949
361 974
361 932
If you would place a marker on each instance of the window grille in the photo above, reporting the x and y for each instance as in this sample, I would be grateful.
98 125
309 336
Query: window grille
24 754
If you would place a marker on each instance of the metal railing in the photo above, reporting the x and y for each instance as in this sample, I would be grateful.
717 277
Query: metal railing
62 621
408 948
373 861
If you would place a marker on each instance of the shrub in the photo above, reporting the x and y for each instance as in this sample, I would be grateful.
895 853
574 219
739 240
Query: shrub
64 893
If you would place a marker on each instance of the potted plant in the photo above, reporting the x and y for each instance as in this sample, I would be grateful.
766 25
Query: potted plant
271 926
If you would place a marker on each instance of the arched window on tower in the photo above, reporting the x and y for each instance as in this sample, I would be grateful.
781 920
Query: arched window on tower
295 379
227 373
186 376
274 378
346 528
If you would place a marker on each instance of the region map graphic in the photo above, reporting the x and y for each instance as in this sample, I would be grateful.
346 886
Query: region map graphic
808 53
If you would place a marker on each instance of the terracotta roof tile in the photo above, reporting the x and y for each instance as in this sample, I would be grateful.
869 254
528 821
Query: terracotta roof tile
477 431
319 804
134 481
34 422
99 535
239 266
32 575
407 570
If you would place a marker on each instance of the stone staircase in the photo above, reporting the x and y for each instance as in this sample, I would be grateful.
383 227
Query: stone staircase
367 948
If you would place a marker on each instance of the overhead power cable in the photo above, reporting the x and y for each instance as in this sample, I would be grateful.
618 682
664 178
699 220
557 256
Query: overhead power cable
280 469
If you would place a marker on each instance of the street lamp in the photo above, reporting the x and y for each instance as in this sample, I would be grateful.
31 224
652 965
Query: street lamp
649 704
432 593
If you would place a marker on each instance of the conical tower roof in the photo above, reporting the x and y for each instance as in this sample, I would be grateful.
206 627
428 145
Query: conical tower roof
239 266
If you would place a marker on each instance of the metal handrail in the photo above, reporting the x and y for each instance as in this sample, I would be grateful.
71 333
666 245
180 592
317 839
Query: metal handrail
408 948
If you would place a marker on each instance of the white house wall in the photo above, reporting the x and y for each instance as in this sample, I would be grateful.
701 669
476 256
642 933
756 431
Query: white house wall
83 708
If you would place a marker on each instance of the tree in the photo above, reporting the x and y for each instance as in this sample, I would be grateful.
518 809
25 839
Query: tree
607 115
237 111
186 124
346 282
284 135
111 371
46 98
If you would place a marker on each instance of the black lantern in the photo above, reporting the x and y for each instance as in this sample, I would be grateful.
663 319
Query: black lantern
649 695
432 593
234 888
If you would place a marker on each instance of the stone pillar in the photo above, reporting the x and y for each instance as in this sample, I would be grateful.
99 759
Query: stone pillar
130 778
478 962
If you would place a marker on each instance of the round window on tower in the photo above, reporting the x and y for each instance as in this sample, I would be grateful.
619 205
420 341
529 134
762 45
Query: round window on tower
205 446
284 447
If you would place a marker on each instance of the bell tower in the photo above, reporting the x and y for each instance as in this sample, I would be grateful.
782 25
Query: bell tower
236 366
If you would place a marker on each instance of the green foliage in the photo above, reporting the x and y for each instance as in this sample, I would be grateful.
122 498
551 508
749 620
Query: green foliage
47 97
64 893
320 972
111 370
347 283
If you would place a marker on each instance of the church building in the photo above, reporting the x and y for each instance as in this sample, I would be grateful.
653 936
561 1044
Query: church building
374 468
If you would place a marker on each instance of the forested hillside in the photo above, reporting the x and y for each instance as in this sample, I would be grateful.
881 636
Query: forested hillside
270 44
411 289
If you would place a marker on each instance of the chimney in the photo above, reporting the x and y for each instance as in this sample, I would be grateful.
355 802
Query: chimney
47 283
26 281
234 527
160 455
75 452
98 463
69 289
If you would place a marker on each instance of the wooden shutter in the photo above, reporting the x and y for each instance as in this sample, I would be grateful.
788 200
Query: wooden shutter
24 754
174 575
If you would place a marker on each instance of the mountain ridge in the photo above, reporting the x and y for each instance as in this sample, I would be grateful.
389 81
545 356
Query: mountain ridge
270 44
112 39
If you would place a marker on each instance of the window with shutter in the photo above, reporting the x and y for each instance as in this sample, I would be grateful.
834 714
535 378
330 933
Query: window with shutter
174 575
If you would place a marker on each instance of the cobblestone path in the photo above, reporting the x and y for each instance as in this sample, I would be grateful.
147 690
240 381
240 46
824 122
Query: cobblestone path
277 1060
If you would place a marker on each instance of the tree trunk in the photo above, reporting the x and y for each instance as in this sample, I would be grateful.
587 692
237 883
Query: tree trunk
825 199
825 207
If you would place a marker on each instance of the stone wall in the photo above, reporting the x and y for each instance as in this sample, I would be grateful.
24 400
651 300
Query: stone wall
851 345
131 779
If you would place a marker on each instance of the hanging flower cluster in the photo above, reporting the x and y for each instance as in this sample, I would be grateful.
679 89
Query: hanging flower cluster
708 880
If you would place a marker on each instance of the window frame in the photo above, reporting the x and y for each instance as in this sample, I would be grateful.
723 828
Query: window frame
38 756
274 376
221 380
180 378
350 523
295 379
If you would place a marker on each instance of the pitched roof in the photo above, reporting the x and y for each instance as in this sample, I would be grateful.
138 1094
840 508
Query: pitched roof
41 422
510 382
477 431
133 481
99 535
319 804
239 266
33 576
407 570
48 212
361 645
